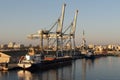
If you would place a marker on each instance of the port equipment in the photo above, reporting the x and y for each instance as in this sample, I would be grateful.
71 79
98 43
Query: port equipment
57 38
70 37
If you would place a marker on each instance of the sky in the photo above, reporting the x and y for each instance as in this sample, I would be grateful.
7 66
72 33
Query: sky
98 18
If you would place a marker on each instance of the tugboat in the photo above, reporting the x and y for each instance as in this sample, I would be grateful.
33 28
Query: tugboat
89 55
29 59
33 60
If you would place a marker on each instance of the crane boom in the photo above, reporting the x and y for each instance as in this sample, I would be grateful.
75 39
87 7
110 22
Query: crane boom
74 24
60 21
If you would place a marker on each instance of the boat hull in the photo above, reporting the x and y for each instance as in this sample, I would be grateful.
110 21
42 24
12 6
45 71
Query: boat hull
22 65
47 64
90 57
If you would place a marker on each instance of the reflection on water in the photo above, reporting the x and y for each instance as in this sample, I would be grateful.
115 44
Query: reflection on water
24 75
80 68
105 68
53 74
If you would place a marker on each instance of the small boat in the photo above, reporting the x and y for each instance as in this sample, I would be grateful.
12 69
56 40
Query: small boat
24 64
3 66
34 61
4 69
89 55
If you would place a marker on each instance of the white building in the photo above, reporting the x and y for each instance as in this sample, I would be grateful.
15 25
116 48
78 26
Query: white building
99 48
11 45
3 46
91 46
110 46
18 46
4 57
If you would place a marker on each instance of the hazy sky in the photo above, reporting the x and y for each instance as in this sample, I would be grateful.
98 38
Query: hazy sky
100 19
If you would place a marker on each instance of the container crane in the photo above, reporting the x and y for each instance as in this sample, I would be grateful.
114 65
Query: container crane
48 34
71 36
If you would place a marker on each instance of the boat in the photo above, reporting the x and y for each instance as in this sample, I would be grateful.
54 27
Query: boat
89 54
3 66
33 60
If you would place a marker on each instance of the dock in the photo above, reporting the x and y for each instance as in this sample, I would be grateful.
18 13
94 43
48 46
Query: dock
7 66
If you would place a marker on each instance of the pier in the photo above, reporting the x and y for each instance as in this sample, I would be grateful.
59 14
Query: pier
12 66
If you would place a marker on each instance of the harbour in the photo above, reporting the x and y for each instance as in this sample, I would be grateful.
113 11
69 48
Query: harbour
59 48
104 68
33 59
59 40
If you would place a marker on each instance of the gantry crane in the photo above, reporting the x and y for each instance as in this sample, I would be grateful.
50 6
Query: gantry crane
70 37
48 34
58 37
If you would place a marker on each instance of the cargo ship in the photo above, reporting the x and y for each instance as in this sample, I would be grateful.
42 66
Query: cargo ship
33 60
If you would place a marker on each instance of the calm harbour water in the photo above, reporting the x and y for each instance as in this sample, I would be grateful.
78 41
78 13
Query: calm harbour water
104 68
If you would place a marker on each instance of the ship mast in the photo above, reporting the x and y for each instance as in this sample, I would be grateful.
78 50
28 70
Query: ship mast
84 46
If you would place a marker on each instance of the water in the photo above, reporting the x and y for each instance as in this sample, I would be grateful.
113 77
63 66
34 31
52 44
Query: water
104 68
